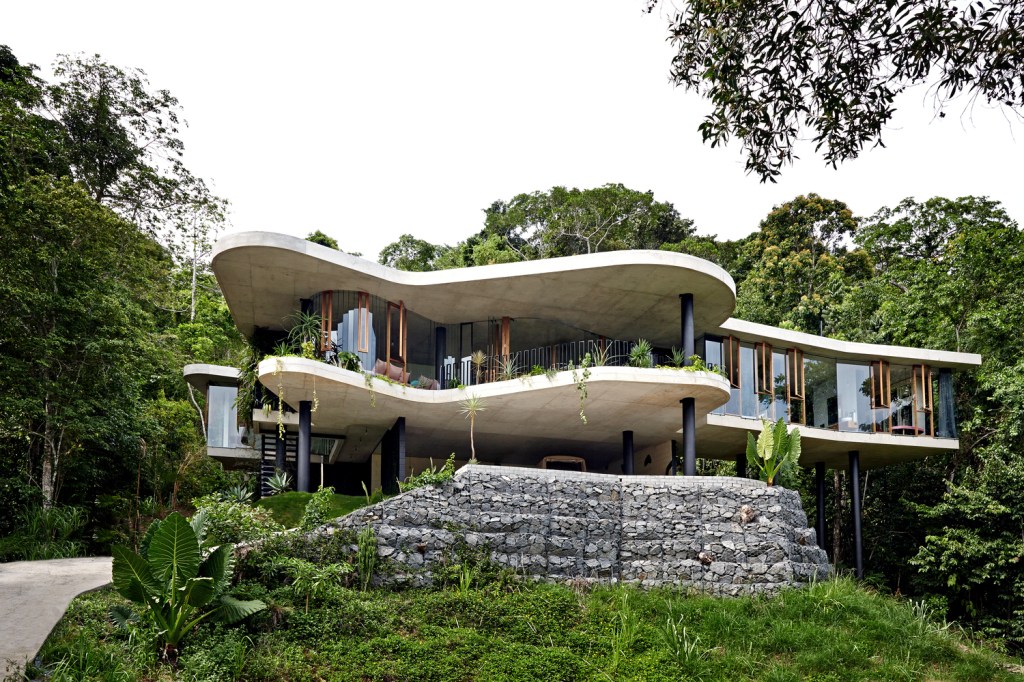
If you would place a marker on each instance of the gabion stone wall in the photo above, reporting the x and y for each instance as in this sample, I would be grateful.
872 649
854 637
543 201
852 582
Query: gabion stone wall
719 535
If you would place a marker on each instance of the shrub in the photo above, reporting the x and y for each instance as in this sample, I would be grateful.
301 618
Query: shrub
366 556
178 586
235 522
430 475
45 533
318 509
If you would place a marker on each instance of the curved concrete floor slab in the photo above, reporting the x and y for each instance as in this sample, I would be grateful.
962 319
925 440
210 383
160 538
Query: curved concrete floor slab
34 596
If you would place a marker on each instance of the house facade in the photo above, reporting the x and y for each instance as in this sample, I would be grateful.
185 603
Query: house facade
586 361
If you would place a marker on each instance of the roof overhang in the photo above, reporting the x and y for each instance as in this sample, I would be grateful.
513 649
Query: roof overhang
725 437
522 421
845 350
619 294
202 375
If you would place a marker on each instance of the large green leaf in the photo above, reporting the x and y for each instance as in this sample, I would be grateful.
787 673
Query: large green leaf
794 446
219 566
233 610
198 591
779 438
765 442
131 575
174 551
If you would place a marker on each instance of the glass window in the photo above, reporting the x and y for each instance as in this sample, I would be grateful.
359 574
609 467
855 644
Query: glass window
820 390
222 428
747 390
779 390
853 381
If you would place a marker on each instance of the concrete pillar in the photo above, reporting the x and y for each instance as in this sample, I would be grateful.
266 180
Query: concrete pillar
741 465
819 486
440 346
686 305
305 439
858 544
627 453
689 437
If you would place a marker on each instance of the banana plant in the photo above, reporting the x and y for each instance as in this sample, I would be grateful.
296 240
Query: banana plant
773 449
179 586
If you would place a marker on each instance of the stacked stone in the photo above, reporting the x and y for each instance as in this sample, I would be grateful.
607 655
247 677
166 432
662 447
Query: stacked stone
720 535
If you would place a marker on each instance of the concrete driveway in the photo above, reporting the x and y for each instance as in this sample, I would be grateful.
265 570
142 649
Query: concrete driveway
33 597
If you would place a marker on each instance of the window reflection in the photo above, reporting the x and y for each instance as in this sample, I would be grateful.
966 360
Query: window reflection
853 381
223 430
822 398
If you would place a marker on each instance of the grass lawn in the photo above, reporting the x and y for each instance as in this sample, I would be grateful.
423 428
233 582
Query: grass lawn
509 631
287 507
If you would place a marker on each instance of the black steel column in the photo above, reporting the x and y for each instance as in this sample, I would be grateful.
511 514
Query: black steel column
675 458
819 486
686 304
627 453
279 451
689 437
741 466
400 435
305 437
858 547
440 347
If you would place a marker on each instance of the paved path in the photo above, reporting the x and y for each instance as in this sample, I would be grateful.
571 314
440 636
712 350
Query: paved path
34 596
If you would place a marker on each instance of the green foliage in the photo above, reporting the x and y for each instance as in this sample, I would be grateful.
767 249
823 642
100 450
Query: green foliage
240 493
311 579
797 267
177 584
318 509
470 407
318 237
288 508
366 557
579 379
774 450
640 354
280 482
45 533
430 475
235 522
410 253
832 75
831 631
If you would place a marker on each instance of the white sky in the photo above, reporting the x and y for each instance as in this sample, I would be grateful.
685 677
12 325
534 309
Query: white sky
369 120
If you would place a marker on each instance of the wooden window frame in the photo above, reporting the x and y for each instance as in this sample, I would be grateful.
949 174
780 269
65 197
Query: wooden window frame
881 385
400 307
326 320
796 388
363 322
731 351
764 378
923 398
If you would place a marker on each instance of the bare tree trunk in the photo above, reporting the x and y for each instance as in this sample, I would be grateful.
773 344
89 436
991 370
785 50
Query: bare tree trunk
199 410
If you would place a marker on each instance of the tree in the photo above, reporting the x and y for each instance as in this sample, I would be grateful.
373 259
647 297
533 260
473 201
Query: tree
318 237
567 222
410 253
774 69
77 284
798 265
121 141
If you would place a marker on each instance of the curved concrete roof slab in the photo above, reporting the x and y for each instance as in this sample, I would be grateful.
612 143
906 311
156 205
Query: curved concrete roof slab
724 436
202 375
619 294
846 350
523 418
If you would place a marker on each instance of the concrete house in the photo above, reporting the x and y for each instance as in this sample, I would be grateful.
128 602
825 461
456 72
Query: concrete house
517 336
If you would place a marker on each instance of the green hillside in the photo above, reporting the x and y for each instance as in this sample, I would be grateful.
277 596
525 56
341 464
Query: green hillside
507 630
